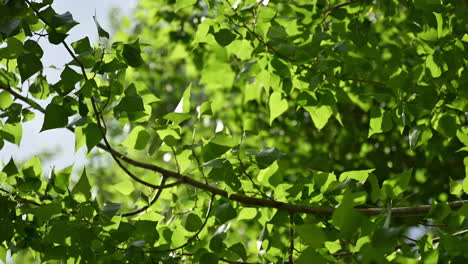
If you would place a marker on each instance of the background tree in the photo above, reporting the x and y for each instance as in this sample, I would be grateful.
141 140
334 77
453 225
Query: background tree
305 131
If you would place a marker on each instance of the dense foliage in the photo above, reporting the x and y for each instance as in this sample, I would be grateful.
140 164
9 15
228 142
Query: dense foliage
231 131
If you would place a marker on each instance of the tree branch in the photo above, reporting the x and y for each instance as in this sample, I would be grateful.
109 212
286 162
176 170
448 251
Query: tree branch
207 216
291 238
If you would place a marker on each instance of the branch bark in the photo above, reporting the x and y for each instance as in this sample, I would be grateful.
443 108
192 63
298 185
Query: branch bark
420 210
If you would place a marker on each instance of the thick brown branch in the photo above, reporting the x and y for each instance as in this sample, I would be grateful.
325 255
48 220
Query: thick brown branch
420 210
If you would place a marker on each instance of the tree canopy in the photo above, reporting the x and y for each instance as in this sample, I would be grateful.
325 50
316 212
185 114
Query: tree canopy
320 131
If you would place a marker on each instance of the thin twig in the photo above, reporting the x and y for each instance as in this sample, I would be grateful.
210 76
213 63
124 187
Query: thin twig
291 238
153 201
207 216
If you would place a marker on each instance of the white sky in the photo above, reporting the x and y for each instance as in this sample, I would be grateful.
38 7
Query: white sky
61 142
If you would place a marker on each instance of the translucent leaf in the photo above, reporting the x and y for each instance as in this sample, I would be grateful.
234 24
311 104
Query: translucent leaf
247 214
124 187
12 133
5 100
184 3
82 45
419 136
358 175
380 121
446 123
396 185
184 161
433 66
319 114
177 118
138 138
462 135
277 106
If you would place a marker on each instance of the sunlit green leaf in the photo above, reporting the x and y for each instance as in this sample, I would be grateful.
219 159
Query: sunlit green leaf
277 106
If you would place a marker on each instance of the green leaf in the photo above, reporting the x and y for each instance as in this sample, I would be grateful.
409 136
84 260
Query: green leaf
28 65
177 118
69 78
446 123
396 185
224 37
193 223
184 104
138 138
82 46
124 187
10 169
311 234
32 168
216 147
132 54
39 89
309 255
12 133
419 136
224 213
184 3
358 175
345 217
101 32
277 106
55 116
267 156
145 230
83 187
433 66
9 26
5 100
169 136
31 46
110 209
217 242
130 104
13 50
462 135
247 214
93 135
380 121
319 114
209 258
47 211
61 179
239 250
